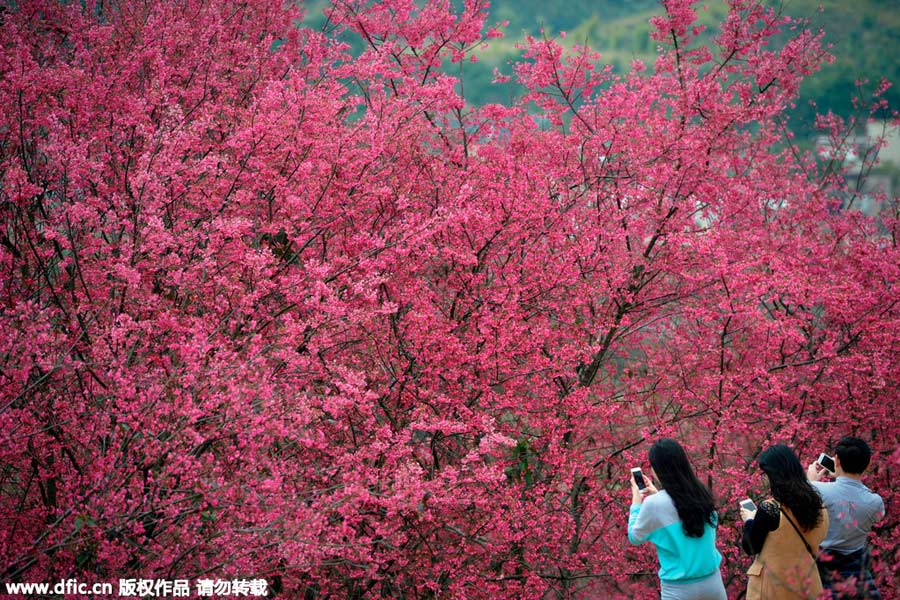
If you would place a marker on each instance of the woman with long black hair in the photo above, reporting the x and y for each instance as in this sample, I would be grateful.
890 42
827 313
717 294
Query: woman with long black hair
784 532
680 520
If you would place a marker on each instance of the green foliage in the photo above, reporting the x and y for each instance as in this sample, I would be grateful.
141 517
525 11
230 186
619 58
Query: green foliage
865 47
863 37
526 464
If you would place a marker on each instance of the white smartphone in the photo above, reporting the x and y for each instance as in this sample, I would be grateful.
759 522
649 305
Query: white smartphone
748 504
639 478
826 462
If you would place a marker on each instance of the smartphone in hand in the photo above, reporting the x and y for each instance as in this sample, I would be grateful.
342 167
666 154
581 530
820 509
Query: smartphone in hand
826 462
639 478
748 504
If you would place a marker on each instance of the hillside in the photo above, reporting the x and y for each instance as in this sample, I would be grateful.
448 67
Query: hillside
864 37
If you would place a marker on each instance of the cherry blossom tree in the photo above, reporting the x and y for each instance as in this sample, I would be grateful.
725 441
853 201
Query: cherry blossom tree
277 308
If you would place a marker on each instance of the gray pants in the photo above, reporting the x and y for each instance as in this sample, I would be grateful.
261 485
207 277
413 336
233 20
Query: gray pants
710 588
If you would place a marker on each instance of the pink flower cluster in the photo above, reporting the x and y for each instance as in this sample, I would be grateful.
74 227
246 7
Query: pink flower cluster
275 309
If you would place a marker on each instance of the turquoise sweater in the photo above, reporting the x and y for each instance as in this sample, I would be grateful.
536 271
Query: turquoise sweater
682 559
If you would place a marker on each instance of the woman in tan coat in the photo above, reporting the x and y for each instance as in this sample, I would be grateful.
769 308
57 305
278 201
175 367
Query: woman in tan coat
785 532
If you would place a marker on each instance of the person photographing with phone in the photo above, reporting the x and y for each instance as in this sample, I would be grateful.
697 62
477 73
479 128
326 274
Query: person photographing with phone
784 533
680 520
852 510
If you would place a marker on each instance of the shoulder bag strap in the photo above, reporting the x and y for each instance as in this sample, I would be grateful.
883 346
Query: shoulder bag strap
797 529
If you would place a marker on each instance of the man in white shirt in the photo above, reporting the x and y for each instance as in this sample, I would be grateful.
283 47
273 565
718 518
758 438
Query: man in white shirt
852 510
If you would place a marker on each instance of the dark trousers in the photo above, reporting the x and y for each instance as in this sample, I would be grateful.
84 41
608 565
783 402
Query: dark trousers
837 567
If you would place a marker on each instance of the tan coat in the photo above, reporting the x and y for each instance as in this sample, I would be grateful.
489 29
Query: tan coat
784 569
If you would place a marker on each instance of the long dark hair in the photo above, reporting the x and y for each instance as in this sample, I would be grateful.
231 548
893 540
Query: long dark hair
693 500
789 485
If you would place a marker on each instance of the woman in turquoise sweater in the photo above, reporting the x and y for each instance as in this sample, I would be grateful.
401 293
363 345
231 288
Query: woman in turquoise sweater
680 520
